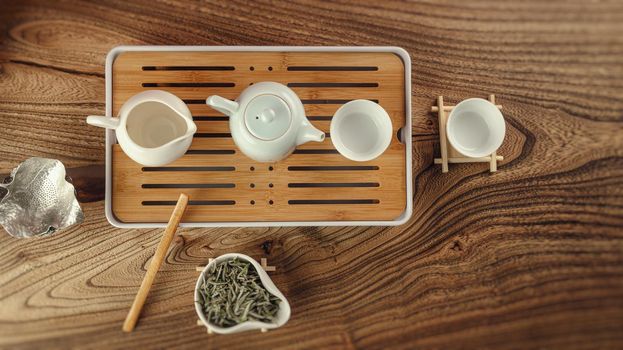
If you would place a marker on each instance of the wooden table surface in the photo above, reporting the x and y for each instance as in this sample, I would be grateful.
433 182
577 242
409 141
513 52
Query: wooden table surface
530 256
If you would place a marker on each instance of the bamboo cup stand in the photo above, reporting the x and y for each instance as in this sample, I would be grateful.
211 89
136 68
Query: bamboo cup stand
448 153
266 268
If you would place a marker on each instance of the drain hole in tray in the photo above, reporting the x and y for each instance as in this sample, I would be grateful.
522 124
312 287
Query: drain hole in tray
316 151
208 118
188 185
189 68
189 84
211 151
329 85
330 102
194 101
190 168
212 134
320 117
399 135
333 68
222 202
333 168
333 184
333 201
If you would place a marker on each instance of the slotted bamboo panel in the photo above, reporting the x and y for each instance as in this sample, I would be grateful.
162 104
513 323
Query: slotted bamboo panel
314 184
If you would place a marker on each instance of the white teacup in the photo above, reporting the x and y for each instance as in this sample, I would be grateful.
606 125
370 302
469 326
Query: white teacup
361 130
154 127
475 127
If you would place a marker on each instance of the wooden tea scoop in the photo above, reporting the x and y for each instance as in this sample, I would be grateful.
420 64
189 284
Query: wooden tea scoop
154 266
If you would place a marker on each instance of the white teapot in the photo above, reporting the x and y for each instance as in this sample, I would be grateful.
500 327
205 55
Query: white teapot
267 121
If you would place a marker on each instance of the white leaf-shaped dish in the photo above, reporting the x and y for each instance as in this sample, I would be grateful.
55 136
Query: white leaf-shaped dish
283 315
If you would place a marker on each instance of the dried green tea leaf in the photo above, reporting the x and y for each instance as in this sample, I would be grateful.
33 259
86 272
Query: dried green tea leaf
232 292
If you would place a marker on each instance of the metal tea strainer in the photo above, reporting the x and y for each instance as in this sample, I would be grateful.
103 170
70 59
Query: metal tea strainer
37 200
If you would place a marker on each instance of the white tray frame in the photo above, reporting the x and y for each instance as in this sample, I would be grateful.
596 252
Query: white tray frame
406 134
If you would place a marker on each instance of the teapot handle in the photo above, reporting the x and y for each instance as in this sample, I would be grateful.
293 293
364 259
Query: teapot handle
103 122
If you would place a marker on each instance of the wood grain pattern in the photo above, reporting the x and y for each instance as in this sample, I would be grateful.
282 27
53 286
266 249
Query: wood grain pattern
528 257
262 191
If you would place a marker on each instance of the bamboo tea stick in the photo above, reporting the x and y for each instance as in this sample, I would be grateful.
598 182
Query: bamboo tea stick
154 266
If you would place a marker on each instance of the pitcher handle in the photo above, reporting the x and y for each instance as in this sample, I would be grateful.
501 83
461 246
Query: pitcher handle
103 122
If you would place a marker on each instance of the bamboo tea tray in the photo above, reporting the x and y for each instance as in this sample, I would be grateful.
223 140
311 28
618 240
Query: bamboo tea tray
314 186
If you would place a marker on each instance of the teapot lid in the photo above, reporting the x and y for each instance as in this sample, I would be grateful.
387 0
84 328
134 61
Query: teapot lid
267 117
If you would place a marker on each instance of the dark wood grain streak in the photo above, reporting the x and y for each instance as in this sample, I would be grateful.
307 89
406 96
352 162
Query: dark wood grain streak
528 257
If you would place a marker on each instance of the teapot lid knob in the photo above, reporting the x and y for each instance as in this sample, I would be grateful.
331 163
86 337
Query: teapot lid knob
267 117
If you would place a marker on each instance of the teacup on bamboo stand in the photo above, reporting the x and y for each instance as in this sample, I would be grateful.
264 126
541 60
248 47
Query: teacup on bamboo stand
478 128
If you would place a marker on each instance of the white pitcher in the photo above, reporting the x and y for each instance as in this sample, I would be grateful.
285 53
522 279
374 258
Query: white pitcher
154 127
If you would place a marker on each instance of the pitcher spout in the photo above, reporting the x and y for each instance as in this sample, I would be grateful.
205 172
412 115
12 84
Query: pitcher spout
190 131
192 128
309 133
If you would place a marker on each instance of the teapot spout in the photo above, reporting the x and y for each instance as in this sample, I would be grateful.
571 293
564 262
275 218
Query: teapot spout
222 105
309 133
